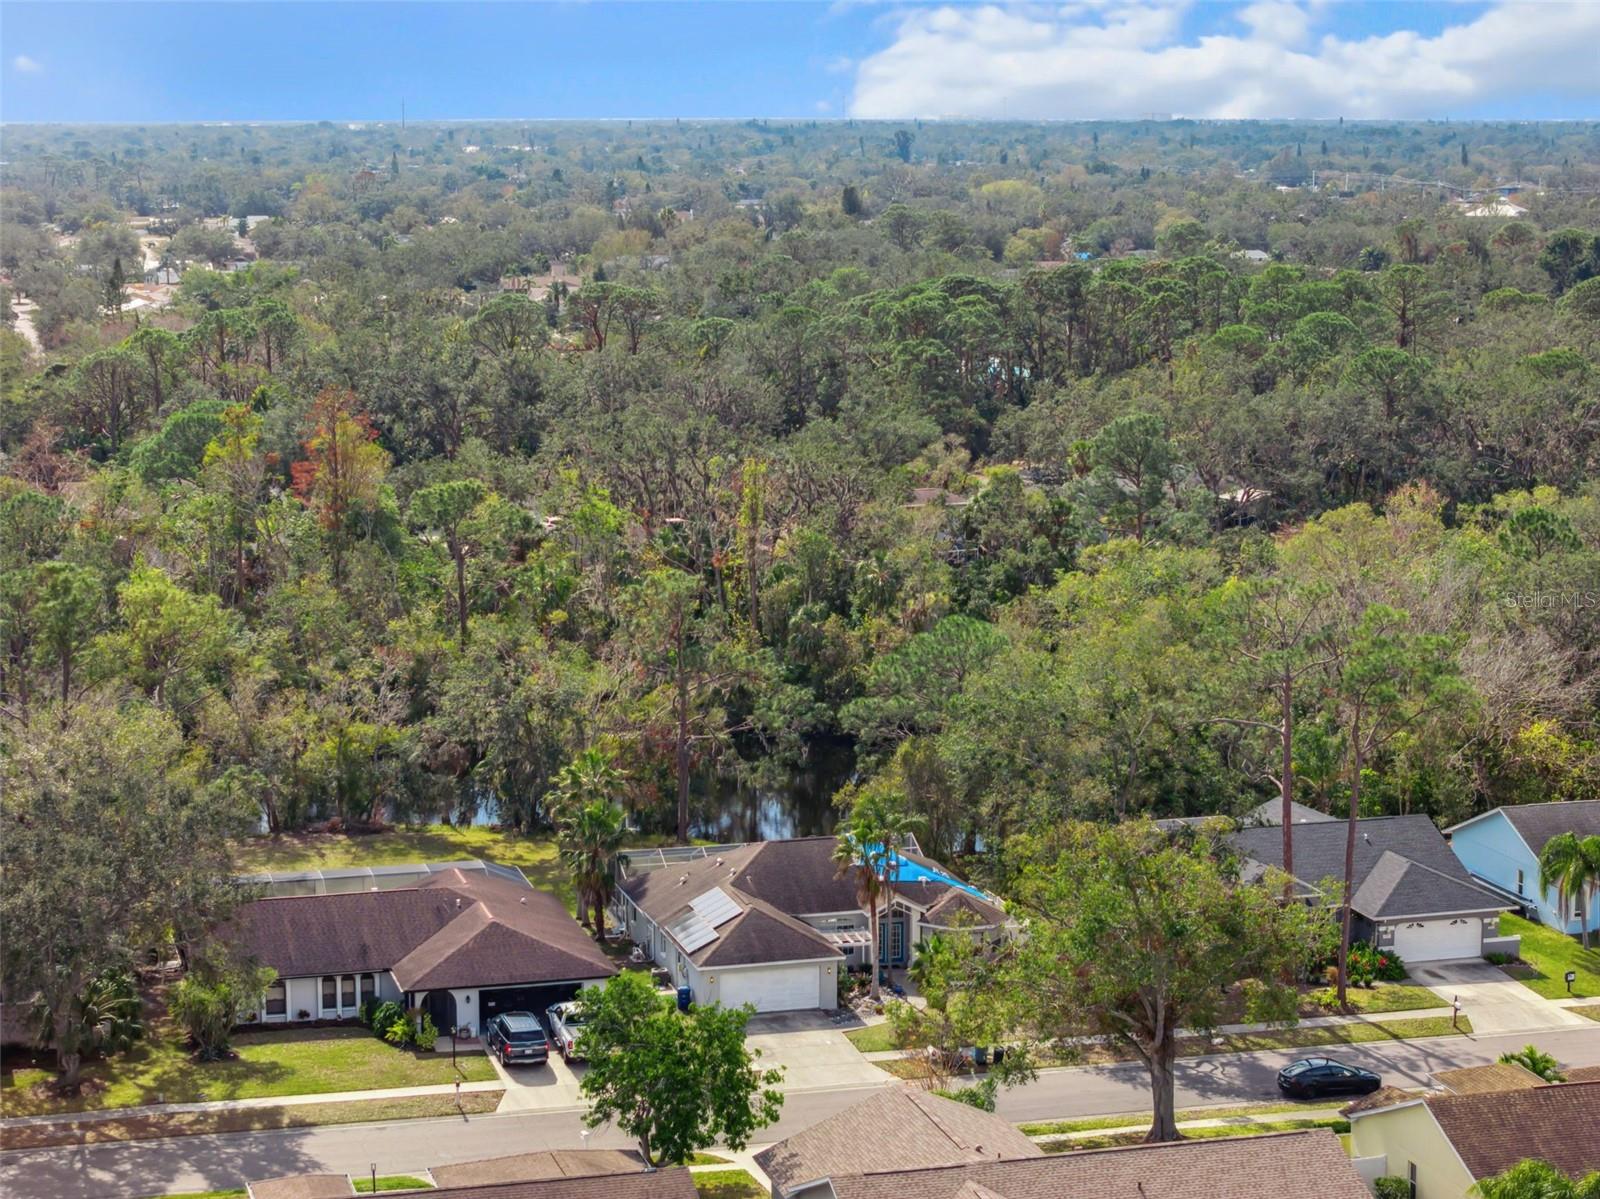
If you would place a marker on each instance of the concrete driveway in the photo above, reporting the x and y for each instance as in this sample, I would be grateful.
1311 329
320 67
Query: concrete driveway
547 1088
813 1051
1494 1002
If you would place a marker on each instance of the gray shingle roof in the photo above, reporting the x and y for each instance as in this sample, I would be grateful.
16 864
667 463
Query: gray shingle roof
1536 823
761 933
1319 854
1308 1163
1397 886
454 930
898 1128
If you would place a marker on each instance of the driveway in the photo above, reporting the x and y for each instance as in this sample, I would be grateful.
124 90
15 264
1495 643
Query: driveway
813 1051
547 1088
1493 1002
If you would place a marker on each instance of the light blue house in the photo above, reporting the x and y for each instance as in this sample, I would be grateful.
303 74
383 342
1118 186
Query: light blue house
1501 848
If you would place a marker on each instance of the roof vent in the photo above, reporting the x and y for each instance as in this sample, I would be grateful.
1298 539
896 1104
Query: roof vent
1367 837
458 901
523 901
682 878
719 861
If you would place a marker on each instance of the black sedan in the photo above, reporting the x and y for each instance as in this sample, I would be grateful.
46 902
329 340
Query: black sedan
1317 1077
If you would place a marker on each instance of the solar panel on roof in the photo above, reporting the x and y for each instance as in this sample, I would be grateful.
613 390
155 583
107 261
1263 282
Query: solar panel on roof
716 907
691 931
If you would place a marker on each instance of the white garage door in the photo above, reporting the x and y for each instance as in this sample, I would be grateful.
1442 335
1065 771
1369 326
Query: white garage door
771 988
1437 940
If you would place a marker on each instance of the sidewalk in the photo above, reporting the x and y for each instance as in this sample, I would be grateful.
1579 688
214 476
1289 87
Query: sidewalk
233 1105
889 1055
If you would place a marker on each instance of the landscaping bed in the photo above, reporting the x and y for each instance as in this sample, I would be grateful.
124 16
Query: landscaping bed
135 1127
308 1061
1546 956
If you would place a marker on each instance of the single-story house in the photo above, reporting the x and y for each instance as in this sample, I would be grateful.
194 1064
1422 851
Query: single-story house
1411 893
1501 849
900 1128
1443 1144
462 945
774 922
546 1174
1269 812
1309 1163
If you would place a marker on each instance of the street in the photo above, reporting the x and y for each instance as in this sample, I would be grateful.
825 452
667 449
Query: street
133 1171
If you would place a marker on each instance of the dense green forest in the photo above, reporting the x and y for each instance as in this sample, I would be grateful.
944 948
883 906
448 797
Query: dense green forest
1031 471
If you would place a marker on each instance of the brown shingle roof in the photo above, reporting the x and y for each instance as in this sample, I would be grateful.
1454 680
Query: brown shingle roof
898 1128
1307 1165
539 1165
1583 1074
302 1186
1493 1132
1382 1097
1497 1076
454 930
673 1183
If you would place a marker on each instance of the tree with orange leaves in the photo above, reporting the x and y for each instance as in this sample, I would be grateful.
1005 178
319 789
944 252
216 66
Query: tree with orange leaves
341 477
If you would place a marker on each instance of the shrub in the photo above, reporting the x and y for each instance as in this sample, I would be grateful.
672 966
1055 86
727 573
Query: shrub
383 1018
399 1031
1392 1188
369 1008
1368 963
208 1001
1536 1060
426 1034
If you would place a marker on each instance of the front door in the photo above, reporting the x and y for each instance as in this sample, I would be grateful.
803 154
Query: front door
892 941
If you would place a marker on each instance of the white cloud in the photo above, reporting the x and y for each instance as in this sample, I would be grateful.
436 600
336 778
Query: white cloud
26 65
1126 58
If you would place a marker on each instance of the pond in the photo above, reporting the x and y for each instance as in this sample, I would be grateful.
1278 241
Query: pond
725 809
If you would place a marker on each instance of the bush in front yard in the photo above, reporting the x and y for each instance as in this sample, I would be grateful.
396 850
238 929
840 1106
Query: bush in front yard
1368 963
209 1000
426 1034
383 1018
1392 1188
399 1031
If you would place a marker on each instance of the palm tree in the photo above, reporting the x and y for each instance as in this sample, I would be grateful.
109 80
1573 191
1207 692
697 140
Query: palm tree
1535 1179
589 778
868 845
1536 1060
588 840
1572 866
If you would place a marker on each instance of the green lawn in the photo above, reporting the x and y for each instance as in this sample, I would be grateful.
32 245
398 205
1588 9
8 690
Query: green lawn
300 1062
1089 1123
1589 1011
874 1038
728 1184
391 1182
1551 954
1115 1140
1386 997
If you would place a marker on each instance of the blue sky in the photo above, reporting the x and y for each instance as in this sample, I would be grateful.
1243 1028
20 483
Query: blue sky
149 62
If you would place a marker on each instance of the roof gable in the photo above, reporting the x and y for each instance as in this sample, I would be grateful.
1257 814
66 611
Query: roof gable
1396 886
760 933
1537 823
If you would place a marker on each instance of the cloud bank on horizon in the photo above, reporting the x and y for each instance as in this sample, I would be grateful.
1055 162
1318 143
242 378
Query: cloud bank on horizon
1131 58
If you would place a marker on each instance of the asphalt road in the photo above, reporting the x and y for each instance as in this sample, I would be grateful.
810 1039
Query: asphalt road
131 1171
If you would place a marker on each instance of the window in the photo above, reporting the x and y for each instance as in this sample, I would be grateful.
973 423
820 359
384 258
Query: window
330 993
347 991
1411 1177
278 999
369 987
1519 883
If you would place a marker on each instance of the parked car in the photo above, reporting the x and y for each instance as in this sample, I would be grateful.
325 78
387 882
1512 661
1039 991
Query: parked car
566 1025
517 1039
1315 1077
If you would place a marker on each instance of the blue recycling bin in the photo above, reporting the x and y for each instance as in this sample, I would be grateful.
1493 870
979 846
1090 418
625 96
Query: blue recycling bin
683 999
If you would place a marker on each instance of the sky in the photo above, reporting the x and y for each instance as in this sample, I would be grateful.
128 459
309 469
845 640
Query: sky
297 60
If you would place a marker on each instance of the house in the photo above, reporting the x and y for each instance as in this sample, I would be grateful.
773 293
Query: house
1411 894
1501 849
773 923
1443 1144
547 1174
1308 1165
900 1128
1495 208
1266 814
165 276
462 945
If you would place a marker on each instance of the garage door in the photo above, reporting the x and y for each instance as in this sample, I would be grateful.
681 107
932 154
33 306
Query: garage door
1438 940
524 999
771 988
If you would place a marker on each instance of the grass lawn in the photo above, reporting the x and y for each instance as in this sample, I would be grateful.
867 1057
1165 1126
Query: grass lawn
874 1038
299 1062
134 1127
1389 997
391 1182
1114 1140
1590 1011
706 1159
1550 954
728 1184
1088 1123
